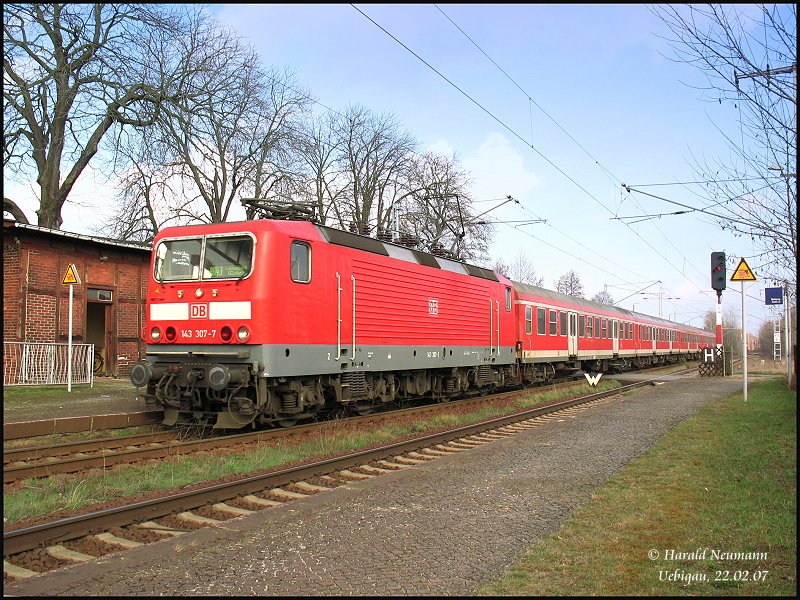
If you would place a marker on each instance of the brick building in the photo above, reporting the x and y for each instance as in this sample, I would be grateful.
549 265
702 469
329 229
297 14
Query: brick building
108 304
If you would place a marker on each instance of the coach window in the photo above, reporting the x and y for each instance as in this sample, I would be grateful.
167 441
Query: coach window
563 323
508 299
604 329
582 326
301 262
528 319
553 322
589 327
597 327
541 321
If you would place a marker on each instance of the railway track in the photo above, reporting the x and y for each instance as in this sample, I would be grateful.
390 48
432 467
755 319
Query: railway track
75 457
64 542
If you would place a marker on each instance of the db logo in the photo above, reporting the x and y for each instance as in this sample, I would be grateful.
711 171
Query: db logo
198 310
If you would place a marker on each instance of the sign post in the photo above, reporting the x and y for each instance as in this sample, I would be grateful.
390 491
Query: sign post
743 273
71 277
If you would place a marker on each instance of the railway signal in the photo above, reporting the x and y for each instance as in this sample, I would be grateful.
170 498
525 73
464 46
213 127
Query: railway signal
718 276
718 282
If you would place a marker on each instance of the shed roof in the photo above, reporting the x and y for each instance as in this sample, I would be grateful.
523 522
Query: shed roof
10 227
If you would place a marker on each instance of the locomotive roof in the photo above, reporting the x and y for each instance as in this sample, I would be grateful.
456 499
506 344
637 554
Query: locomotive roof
357 241
384 248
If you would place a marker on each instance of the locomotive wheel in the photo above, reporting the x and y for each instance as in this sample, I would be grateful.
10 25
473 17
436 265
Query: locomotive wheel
287 422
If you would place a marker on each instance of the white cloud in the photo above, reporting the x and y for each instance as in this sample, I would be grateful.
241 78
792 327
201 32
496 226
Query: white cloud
498 170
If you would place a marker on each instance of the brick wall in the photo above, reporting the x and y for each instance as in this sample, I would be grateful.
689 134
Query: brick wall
12 306
36 304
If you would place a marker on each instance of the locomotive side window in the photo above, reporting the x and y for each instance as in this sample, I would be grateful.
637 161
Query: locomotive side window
301 262
508 299
541 325
553 322
528 319
228 257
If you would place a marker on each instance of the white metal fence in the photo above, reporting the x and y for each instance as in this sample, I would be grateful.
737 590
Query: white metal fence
32 363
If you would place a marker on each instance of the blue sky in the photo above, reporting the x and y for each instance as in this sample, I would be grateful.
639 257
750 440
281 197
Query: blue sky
600 72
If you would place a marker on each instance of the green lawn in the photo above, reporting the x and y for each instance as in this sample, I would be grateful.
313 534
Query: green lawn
709 510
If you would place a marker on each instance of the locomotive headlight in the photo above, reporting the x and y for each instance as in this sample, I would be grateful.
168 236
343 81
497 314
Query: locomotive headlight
155 334
199 292
243 334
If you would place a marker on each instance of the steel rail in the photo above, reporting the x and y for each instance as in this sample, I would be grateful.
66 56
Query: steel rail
20 540
109 455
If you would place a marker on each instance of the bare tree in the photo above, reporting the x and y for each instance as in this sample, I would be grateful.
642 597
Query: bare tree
376 156
749 56
731 332
274 145
71 72
326 182
603 297
226 138
9 206
435 208
521 269
569 283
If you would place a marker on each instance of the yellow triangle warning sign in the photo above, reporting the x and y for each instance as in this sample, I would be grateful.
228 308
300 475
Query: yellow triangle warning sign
71 276
743 272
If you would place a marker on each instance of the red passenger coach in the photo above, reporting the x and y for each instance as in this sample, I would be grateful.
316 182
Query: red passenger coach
559 332
268 322
288 317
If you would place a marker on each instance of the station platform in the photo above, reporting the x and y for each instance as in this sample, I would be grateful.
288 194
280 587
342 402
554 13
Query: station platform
42 410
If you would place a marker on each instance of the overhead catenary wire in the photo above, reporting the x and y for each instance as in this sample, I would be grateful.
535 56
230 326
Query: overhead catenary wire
520 138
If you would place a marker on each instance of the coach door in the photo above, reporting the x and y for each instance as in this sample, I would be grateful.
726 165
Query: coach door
573 334
615 336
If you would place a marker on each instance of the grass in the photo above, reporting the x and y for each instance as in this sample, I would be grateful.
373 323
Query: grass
722 481
37 402
37 497
20 394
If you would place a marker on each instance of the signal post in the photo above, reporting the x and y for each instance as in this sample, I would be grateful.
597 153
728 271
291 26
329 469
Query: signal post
743 273
714 359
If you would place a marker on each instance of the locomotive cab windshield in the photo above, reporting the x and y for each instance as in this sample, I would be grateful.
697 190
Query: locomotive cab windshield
222 257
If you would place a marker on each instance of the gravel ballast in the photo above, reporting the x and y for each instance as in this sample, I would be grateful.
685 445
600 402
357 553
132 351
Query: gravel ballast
442 528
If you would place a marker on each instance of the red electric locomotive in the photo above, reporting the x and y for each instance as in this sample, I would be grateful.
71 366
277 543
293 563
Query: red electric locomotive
272 321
